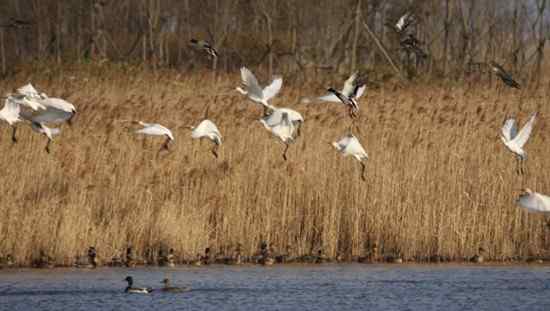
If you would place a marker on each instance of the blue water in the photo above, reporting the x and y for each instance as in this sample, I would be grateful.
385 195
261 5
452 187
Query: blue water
321 287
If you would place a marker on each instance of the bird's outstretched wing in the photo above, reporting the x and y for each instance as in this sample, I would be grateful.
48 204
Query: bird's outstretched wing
252 86
273 89
349 85
329 98
509 129
525 132
360 91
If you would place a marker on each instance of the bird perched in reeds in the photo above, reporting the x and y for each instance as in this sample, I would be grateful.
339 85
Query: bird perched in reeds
504 75
207 129
349 145
284 130
514 140
349 94
534 201
172 289
135 290
156 129
205 46
254 91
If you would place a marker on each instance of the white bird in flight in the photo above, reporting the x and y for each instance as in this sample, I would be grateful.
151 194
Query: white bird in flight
207 129
349 95
284 129
349 145
514 140
254 91
276 116
10 113
534 201
57 110
155 129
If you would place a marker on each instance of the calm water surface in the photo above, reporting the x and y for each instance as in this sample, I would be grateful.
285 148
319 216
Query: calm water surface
322 287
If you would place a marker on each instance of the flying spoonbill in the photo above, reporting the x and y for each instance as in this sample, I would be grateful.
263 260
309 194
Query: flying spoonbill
284 129
207 129
349 145
514 140
156 129
348 96
253 90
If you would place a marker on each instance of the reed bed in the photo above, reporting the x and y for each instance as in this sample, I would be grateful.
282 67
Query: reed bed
439 181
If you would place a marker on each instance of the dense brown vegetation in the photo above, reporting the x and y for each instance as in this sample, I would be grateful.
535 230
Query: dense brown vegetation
439 180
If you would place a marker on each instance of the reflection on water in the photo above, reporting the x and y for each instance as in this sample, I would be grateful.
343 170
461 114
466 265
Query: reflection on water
323 287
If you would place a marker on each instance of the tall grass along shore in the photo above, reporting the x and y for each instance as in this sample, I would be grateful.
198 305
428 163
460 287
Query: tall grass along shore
439 182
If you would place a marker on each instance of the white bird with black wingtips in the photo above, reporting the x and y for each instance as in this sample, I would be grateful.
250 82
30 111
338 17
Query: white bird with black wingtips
207 129
514 140
349 95
156 129
254 91
349 145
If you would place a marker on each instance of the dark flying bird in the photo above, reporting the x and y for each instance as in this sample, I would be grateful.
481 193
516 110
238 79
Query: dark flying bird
204 45
503 75
411 44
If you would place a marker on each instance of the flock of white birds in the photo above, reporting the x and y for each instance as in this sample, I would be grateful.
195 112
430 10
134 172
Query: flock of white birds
27 105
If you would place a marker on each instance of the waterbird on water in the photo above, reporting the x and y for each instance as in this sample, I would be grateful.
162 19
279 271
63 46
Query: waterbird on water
349 145
254 91
514 140
207 129
172 289
135 290
349 94
156 129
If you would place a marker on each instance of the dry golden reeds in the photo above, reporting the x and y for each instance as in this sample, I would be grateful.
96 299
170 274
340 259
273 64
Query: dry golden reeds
439 181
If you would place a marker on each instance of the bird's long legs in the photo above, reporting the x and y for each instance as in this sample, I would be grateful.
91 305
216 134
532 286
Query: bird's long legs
13 138
165 145
215 150
284 153
520 166
48 146
363 169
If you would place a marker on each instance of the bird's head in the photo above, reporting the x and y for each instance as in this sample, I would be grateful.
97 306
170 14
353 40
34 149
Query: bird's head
165 281
129 279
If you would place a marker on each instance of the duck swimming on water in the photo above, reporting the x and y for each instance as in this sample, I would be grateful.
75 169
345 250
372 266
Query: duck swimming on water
135 290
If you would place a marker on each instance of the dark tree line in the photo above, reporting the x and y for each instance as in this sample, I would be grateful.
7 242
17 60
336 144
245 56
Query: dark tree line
281 36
